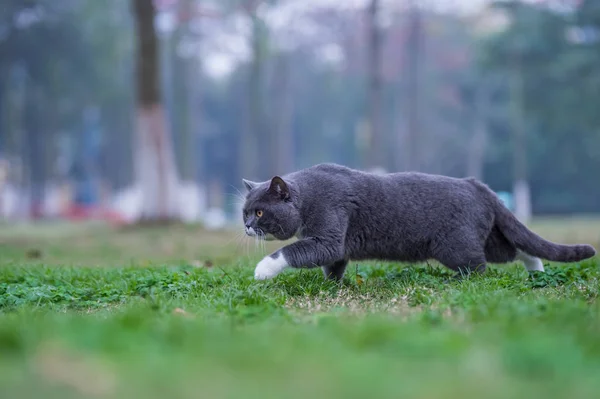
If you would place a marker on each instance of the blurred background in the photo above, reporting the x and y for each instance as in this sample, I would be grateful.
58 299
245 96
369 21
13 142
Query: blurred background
144 110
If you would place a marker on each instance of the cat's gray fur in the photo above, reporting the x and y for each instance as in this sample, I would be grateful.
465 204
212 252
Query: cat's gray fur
341 214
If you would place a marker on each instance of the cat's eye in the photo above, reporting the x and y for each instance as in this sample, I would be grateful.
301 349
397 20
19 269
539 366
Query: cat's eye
259 213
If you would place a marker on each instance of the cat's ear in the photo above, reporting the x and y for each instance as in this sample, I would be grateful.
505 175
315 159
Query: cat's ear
250 185
279 187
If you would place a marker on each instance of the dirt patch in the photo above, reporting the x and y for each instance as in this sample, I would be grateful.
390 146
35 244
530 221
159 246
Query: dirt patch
83 373
348 301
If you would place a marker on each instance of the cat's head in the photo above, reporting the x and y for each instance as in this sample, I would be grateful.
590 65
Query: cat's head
270 211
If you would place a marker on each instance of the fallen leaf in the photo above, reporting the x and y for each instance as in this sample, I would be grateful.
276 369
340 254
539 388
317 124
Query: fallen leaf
197 263
33 254
182 312
359 279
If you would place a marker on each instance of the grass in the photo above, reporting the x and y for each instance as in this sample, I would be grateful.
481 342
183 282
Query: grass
176 313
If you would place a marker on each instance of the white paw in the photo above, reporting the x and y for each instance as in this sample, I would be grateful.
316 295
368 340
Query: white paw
270 267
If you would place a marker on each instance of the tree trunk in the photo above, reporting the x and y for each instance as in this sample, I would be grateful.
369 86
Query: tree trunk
3 115
189 138
191 161
17 131
257 136
155 172
375 150
35 153
521 191
412 147
478 141
284 103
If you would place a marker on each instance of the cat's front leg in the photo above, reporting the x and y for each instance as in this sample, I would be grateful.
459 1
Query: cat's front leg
335 271
270 266
306 253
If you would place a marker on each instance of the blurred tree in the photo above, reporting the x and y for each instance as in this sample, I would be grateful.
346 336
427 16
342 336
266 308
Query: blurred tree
258 147
553 83
519 48
479 137
412 145
191 75
281 102
376 149
183 77
155 171
312 95
37 80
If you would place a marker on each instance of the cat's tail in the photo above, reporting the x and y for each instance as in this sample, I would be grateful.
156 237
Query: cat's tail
531 243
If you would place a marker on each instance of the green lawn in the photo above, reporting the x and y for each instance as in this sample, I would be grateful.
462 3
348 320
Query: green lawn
175 313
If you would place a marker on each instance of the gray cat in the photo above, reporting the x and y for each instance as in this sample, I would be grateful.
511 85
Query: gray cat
340 214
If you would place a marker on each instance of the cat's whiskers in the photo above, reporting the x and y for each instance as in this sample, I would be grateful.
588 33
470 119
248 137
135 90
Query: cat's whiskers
240 238
239 195
281 228
237 201
263 240
245 242
258 239
236 237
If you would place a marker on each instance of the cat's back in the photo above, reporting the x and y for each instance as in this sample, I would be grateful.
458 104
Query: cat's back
426 181
326 176
331 169
333 178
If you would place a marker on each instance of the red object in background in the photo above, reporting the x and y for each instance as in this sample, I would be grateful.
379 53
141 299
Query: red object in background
81 213
36 211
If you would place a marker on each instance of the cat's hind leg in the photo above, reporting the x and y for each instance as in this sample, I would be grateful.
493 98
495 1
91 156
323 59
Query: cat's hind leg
335 271
498 249
463 260
531 262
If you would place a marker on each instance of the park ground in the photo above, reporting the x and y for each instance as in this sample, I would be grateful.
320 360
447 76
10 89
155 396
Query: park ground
89 311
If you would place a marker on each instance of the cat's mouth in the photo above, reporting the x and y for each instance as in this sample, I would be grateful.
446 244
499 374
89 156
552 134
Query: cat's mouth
259 234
